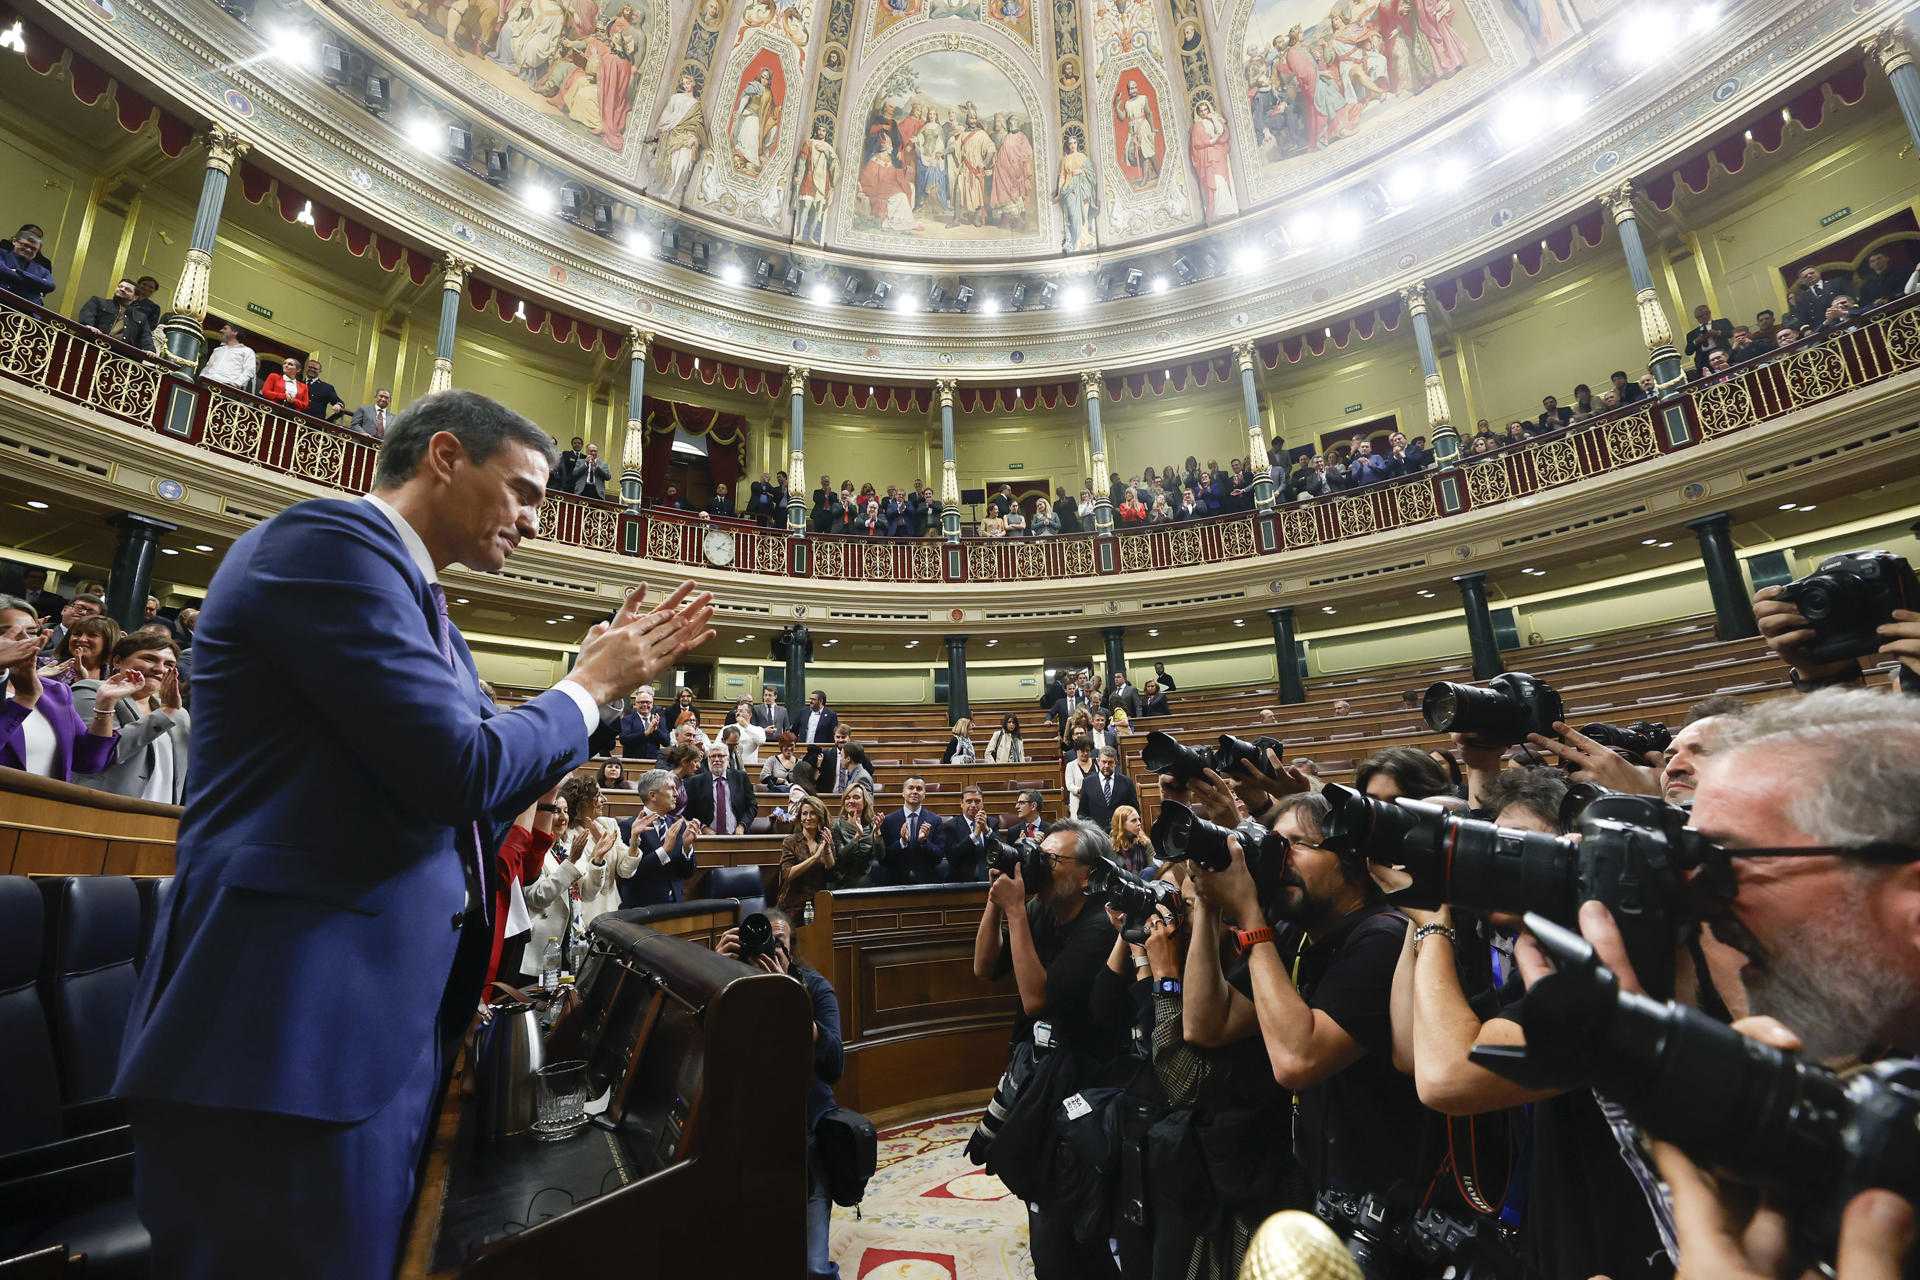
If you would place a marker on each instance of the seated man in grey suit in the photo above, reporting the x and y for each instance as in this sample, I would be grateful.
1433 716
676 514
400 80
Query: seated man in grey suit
371 419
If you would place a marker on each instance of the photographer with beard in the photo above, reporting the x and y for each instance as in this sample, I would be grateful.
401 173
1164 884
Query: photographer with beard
1054 941
1318 996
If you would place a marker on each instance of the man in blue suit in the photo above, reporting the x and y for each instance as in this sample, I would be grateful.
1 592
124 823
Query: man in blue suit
912 841
328 931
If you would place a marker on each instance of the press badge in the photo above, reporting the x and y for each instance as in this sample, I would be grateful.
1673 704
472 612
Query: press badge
1076 1106
1043 1035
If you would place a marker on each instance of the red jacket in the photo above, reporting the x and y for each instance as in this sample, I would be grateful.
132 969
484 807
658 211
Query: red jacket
292 394
522 856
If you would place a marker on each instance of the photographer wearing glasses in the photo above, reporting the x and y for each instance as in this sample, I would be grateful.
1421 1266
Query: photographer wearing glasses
1040 926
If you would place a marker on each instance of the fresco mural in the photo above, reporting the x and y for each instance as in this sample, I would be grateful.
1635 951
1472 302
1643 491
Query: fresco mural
754 132
1138 134
1122 27
791 21
946 152
679 138
1208 150
1015 16
755 126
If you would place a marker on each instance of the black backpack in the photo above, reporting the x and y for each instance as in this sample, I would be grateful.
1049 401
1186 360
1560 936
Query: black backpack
848 1150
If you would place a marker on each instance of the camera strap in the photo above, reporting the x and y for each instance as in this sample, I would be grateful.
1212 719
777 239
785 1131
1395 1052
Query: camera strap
1466 1178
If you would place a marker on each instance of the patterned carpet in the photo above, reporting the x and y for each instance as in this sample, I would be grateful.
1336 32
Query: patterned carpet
929 1215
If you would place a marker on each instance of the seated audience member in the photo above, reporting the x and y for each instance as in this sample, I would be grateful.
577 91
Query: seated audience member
643 731
115 317
1765 326
284 386
370 420
965 838
150 758
1553 414
776 772
1160 512
720 505
806 858
1045 524
40 732
687 730
681 761
83 651
1153 702
1131 848
960 743
1006 745
668 501
1106 790
1309 768
23 271
1785 336
856 839
1717 362
660 850
1584 405
1028 819
323 402
1742 347
232 362
612 776
752 736
719 797
912 842
1842 313
1516 432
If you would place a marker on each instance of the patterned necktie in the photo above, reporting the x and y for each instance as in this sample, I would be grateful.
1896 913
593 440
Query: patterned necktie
443 634
722 815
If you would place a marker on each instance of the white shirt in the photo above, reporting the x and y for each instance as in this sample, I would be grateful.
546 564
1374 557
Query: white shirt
813 722
234 366
752 738
37 740
417 550
159 786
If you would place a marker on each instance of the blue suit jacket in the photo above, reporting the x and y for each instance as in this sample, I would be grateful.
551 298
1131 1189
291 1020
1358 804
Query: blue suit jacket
339 765
916 862
654 882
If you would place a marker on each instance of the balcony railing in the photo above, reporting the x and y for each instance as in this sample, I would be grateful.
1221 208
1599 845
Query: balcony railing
47 352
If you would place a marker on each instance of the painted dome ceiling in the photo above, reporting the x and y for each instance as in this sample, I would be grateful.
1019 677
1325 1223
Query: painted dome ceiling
955 131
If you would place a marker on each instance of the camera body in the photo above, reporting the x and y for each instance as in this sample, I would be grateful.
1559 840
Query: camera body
1163 753
1135 898
1631 743
1180 834
1847 597
756 938
1024 856
1513 705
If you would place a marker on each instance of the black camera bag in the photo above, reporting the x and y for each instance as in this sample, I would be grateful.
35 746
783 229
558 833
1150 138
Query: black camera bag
849 1150
1022 1152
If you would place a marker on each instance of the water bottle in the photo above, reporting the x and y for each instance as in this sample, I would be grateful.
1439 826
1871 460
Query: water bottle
550 966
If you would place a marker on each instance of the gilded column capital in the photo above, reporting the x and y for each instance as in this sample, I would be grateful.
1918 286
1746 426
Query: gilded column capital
454 272
1619 202
1090 383
1414 298
946 387
1891 45
1243 356
639 342
224 146
797 380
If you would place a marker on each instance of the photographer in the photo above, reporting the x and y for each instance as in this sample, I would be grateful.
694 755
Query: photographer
1393 772
1582 1211
828 1060
1791 636
1054 942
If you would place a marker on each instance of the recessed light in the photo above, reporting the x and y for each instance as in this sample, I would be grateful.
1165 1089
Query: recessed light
1327 608
169 551
820 294
1451 174
553 622
732 274
424 134
566 617
201 546
1788 506
1807 506
1239 622
640 242
992 643
540 199
1649 542
460 600
1665 545
36 504
1159 284
1424 592
292 47
739 639
1153 631
989 307
1074 297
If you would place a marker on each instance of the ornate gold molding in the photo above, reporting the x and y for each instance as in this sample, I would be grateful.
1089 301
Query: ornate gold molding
796 386
454 272
224 146
946 388
1438 413
1891 45
190 290
1654 330
1243 356
1619 202
949 483
442 378
1090 383
1414 298
639 342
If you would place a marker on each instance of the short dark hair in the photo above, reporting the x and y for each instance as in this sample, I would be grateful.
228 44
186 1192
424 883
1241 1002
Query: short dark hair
1417 774
972 789
1034 798
1542 790
143 640
481 426
1717 704
1617 373
28 227
1312 810
148 280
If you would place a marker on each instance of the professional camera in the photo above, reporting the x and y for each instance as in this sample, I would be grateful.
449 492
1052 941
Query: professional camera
1163 753
1025 856
1847 597
1133 897
1632 854
1180 834
1758 1114
1513 705
1631 743
756 938
1477 1250
1374 1232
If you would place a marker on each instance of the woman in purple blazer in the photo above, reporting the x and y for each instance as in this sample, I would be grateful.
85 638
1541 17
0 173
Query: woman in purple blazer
39 731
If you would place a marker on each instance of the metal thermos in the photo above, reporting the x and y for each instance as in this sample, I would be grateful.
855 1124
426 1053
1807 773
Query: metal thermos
507 1056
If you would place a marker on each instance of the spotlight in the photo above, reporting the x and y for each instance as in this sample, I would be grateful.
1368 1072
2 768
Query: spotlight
906 304
1183 269
1017 297
702 255
292 47
1075 298
820 295
1343 226
1642 37
792 277
459 142
496 165
1306 228
1160 284
963 297
1703 18
36 504
1249 257
1405 183
1520 119
1450 174
1048 291
378 95
333 64
732 274
423 134
882 289
539 199
1135 277
990 306
1568 106
305 216
762 273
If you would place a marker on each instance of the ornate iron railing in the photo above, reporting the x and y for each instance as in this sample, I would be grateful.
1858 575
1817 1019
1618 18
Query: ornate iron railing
44 351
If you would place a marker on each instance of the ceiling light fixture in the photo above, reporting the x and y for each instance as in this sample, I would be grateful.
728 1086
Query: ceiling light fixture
732 274
169 551
423 134
1074 298
292 47
906 304
1788 506
989 306
1344 226
1249 257
1568 106
14 38
1159 284
305 216
460 600
1451 174
639 242
1306 227
36 504
1665 545
820 295
539 199
201 546
1405 184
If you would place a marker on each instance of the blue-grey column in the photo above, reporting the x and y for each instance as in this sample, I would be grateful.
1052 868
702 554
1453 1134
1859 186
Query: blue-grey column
1257 463
1102 495
1732 608
130 580
184 327
1896 58
1286 655
957 704
453 283
1442 436
1663 360
949 466
1486 647
633 450
797 454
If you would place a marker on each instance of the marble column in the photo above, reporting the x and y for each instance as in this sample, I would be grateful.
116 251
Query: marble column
130 580
453 283
633 451
957 705
793 647
1102 496
797 450
1732 608
1286 655
949 467
1257 463
1663 360
1442 437
1116 638
184 328
1486 649
1895 52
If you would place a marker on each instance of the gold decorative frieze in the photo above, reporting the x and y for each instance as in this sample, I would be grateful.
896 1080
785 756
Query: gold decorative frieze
234 426
1236 538
26 345
600 529
1556 462
123 386
318 453
1487 483
1631 439
1723 407
1816 373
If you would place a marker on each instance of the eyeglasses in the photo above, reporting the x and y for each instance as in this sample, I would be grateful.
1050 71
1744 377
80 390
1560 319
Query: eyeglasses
1715 882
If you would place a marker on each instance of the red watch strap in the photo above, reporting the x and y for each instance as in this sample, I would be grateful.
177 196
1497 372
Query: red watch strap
1252 937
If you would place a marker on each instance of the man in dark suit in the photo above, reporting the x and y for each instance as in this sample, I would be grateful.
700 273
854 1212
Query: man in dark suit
719 797
1106 789
1124 695
45 603
1553 414
912 840
644 732
1161 678
816 726
721 504
966 838
1027 818
566 471
1054 692
1812 296
770 714
349 789
1880 282
663 855
1706 334
116 317
591 476
323 402
371 420
825 498
1625 389
832 761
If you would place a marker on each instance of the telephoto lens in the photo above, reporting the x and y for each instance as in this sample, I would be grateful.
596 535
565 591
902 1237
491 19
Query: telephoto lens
1234 752
1133 897
1163 753
1024 856
1181 835
1512 705
756 937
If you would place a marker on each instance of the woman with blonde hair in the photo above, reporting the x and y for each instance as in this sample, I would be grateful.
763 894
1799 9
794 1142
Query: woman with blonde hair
960 745
856 837
1044 523
806 858
1131 848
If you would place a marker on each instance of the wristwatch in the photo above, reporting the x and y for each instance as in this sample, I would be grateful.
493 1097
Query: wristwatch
1166 986
1250 938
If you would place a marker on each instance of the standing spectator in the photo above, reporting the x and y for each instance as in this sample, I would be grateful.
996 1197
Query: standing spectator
40 731
817 725
719 797
1584 405
1002 502
590 475
322 400
1124 696
233 362
1131 848
1017 523
769 714
994 526
1155 702
1880 282
23 272
721 504
150 758
1065 512
83 651
1084 508
1006 745
1162 678
960 745
143 290
87 604
116 318
806 858
370 420
1106 790
1706 333
912 840
1811 297
566 470
752 736
858 770
44 603
284 386
152 617
1045 523
1624 387
856 839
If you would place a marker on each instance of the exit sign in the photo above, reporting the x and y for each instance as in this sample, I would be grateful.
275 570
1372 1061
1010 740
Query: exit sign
1016 466
259 310
1353 408
1836 215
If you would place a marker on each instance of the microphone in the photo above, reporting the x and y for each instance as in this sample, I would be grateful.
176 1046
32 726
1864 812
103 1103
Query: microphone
1292 1245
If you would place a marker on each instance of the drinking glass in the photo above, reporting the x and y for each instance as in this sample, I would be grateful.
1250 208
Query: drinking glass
560 1100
